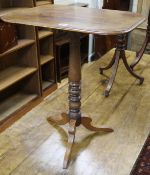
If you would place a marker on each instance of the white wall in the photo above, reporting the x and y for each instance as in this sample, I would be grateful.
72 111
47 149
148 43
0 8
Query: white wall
134 8
92 3
65 2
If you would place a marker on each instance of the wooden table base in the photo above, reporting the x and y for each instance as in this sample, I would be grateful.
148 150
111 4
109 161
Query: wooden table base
74 116
140 53
85 121
119 54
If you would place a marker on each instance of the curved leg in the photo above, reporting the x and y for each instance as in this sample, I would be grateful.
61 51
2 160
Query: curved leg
86 122
71 137
114 71
120 53
101 69
130 70
140 53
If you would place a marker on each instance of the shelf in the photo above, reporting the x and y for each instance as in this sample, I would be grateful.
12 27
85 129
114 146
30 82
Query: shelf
14 103
64 69
44 33
24 66
39 3
62 41
47 84
12 75
21 44
45 58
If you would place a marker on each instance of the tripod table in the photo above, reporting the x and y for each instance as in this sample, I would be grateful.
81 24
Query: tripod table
77 20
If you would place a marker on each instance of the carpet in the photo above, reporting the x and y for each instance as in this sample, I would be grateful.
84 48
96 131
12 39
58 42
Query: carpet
142 165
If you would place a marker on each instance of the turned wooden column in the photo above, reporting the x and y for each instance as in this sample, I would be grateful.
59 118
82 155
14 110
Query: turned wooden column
74 77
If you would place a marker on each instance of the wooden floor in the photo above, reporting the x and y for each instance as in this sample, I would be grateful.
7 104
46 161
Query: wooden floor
33 147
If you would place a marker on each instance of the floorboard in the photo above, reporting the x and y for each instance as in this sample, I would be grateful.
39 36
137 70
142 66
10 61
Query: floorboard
33 147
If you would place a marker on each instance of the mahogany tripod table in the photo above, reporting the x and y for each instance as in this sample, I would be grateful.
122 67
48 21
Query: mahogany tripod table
77 20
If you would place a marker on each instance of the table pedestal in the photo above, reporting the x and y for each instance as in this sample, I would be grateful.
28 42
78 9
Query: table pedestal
74 116
140 53
119 54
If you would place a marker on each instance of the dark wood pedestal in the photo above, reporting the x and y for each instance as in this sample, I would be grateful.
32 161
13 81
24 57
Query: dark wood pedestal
119 54
104 43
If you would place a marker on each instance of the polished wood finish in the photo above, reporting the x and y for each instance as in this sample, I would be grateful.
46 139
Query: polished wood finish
119 53
140 53
89 21
103 22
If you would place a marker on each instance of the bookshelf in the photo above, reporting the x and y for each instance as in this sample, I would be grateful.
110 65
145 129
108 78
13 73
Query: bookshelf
45 44
28 68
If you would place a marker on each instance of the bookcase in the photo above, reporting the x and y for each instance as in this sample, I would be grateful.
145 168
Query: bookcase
45 44
27 70
46 58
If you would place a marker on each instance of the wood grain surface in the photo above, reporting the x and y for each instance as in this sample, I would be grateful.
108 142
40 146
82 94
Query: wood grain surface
77 19
33 147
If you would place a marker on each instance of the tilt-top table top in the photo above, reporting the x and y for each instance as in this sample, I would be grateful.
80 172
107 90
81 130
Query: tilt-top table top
71 18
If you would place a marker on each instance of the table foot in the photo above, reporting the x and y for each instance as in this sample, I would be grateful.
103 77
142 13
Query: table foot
141 79
86 122
106 93
71 137
73 123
